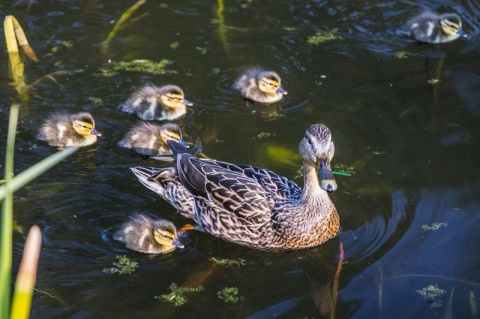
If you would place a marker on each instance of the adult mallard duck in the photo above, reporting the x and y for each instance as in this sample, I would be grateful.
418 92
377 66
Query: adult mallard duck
260 86
63 130
253 206
151 140
430 27
151 102
146 235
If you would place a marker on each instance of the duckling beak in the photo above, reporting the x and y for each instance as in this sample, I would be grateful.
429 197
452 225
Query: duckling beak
95 132
187 102
463 34
282 91
177 243
327 181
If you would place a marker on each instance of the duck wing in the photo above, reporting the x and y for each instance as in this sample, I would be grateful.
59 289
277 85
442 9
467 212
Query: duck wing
224 188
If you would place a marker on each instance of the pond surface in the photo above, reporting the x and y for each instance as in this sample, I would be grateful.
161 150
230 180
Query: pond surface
407 127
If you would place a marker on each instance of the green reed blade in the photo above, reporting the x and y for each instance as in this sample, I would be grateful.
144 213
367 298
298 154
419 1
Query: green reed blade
7 217
34 171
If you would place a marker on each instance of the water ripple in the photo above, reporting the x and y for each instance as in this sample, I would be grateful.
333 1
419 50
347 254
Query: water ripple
369 238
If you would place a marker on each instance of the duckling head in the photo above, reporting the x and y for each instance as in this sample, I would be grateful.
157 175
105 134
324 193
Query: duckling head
165 234
173 97
451 25
172 131
317 148
84 124
269 82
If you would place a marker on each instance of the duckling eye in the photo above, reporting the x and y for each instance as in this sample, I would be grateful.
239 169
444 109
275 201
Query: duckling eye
271 84
170 98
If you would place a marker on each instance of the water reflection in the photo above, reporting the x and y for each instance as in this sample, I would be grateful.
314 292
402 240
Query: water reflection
432 254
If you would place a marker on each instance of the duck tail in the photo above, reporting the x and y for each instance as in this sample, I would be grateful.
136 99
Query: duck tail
176 147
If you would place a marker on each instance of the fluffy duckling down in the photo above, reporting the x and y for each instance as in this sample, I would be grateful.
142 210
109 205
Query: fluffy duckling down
430 27
63 130
146 235
151 140
260 86
151 102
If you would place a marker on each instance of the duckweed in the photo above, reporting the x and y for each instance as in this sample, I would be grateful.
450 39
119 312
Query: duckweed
229 294
263 135
402 54
176 296
63 44
122 266
432 294
145 66
324 36
434 226
228 262
342 168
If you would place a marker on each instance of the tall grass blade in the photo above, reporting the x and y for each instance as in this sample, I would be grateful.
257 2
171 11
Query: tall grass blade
27 275
7 217
34 171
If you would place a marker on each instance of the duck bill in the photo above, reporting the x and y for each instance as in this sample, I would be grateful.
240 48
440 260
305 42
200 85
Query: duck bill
327 181
282 91
183 143
177 243
187 102
95 132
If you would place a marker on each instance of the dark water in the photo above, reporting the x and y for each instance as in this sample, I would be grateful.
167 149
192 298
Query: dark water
409 214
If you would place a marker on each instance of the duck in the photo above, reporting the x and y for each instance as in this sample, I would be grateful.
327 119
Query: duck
152 102
257 85
151 140
252 206
430 27
64 130
147 235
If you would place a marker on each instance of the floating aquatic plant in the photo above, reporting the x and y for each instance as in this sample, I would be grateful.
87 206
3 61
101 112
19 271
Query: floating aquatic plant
434 226
431 293
122 266
144 66
324 36
61 45
228 262
176 296
263 135
403 54
342 169
229 294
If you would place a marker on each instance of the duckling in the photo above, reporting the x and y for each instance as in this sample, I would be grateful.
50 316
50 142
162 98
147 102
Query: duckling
151 102
260 86
430 27
146 235
63 130
151 140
